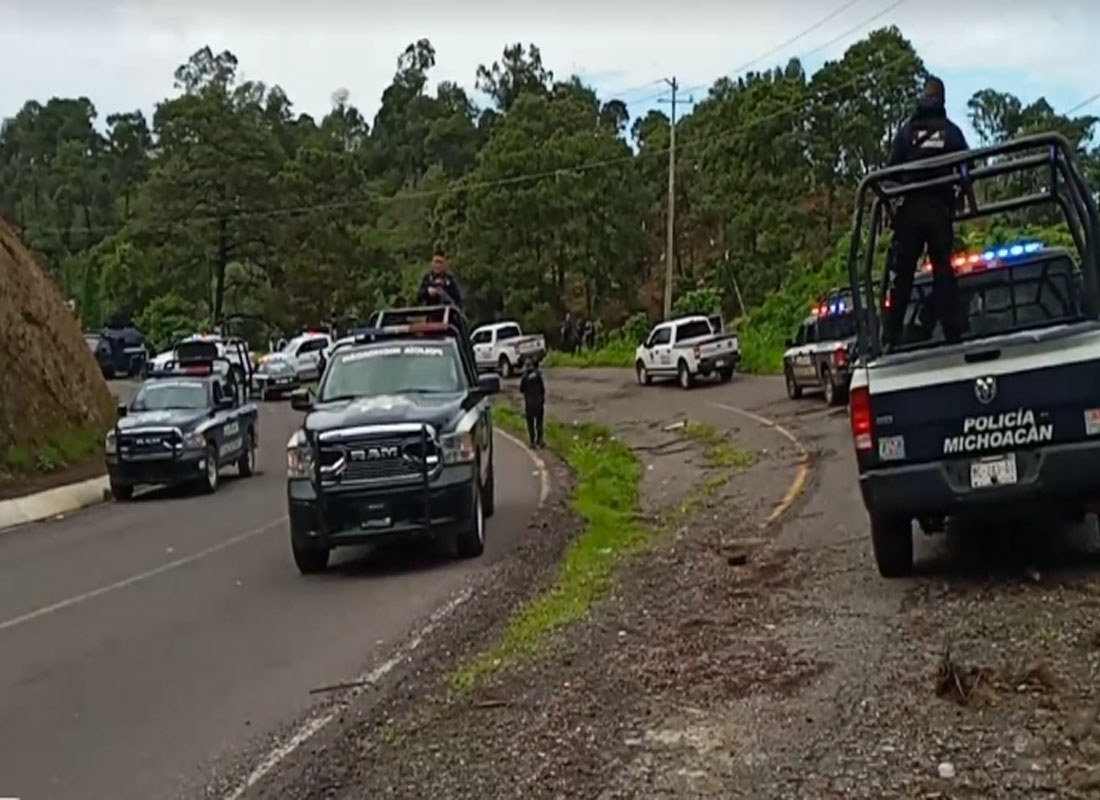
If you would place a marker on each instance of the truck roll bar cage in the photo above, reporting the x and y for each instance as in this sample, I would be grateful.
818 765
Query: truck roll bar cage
1065 187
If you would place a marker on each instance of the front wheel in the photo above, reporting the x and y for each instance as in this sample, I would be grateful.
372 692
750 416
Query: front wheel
122 492
309 560
642 374
246 465
794 391
212 476
470 538
892 540
683 374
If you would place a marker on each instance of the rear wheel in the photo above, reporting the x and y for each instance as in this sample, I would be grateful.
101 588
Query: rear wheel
505 367
794 391
489 498
828 383
683 374
892 540
725 375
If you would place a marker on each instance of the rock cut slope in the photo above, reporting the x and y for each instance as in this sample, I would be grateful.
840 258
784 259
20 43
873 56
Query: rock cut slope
50 384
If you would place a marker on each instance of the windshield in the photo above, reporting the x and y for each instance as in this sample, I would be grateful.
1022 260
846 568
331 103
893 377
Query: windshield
171 394
836 326
277 364
393 370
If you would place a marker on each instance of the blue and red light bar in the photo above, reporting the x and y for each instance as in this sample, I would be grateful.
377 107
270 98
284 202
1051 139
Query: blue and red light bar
991 258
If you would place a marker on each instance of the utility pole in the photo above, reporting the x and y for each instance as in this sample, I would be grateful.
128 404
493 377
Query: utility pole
670 244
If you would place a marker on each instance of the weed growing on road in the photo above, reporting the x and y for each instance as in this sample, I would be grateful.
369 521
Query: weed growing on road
717 449
606 498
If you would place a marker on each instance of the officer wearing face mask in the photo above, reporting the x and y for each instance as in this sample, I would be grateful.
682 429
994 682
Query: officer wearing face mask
926 217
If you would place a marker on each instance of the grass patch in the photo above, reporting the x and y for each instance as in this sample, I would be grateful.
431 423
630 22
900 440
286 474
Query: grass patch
718 451
616 353
59 451
606 498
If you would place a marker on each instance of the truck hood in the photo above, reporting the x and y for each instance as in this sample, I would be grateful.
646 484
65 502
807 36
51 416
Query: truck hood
441 410
182 418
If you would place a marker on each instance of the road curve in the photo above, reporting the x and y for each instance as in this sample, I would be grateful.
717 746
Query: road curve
143 643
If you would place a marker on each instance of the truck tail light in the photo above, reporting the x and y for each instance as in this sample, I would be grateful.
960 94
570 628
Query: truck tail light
697 352
840 357
860 409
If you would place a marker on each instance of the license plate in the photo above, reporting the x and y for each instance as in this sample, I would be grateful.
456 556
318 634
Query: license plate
993 471
375 516
720 362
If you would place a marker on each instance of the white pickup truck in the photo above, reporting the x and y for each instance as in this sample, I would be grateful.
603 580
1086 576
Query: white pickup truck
685 349
502 347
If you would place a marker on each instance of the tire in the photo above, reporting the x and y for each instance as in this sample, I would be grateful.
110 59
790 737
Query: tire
209 482
644 378
470 539
684 376
832 394
504 366
488 493
122 492
309 560
246 464
794 391
725 375
892 540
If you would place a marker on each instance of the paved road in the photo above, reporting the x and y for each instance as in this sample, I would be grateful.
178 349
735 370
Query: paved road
143 642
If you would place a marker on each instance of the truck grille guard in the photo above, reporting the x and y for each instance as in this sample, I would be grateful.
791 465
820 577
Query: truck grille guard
430 465
173 451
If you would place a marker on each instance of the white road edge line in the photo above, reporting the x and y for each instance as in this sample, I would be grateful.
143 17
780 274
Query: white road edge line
142 576
319 720
540 465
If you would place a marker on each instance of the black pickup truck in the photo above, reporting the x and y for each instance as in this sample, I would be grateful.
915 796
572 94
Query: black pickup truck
188 420
1006 421
397 442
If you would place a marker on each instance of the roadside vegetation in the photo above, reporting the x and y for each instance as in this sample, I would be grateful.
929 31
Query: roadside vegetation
606 499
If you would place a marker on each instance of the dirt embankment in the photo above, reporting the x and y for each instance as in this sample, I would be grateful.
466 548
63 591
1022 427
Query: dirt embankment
52 394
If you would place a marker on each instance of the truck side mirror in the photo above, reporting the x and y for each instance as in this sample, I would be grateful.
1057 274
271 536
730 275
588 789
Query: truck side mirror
121 410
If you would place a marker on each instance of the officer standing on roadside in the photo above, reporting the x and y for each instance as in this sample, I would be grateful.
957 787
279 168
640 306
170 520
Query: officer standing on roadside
439 287
926 217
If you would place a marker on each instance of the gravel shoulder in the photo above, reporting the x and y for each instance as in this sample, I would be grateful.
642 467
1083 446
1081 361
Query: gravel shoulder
738 659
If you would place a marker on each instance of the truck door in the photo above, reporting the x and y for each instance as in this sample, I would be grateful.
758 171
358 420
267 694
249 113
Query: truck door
658 352
483 346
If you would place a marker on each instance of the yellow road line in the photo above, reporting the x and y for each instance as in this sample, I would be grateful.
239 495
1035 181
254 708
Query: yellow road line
801 475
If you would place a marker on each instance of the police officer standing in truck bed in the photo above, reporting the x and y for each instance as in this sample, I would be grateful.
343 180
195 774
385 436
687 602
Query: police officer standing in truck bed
926 217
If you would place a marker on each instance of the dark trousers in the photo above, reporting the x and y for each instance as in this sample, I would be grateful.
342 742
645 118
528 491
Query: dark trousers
924 222
534 424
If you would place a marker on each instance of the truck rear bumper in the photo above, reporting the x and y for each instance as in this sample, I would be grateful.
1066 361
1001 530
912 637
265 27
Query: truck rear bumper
1062 476
714 363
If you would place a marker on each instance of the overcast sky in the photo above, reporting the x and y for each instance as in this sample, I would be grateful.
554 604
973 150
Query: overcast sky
122 54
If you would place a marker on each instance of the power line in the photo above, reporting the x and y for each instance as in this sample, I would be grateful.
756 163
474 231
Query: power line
1082 104
531 177
855 28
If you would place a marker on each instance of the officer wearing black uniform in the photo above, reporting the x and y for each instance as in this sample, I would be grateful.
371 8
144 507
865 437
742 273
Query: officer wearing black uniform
439 287
926 217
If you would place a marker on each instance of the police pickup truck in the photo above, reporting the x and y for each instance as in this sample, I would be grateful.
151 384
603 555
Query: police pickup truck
397 441
187 422
1008 419
822 351
687 348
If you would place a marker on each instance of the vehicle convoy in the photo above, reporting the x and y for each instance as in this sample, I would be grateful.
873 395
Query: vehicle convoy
821 353
119 349
233 349
397 441
275 376
1008 419
187 422
306 352
503 347
686 349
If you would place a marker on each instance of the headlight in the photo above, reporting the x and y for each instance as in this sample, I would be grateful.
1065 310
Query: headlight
299 456
194 441
458 448
110 444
